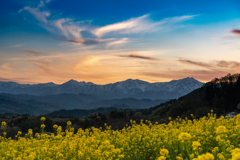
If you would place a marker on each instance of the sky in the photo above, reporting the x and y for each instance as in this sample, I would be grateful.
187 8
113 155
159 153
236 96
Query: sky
105 41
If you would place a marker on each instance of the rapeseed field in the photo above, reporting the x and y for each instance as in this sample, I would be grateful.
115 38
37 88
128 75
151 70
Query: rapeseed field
207 138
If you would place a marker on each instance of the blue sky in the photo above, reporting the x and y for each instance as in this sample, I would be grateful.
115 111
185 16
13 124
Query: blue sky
108 41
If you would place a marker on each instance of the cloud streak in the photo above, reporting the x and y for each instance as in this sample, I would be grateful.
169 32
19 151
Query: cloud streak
88 41
236 31
32 52
201 64
138 57
214 64
229 64
140 24
118 42
133 25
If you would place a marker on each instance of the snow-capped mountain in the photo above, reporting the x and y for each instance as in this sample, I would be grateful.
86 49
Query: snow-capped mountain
129 88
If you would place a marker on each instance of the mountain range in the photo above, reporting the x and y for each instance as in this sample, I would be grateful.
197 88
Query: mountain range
129 88
135 94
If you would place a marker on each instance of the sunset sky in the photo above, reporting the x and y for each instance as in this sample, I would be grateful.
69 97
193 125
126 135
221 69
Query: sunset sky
105 41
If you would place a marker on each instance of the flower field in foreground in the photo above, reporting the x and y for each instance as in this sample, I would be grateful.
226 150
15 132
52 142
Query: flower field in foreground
205 139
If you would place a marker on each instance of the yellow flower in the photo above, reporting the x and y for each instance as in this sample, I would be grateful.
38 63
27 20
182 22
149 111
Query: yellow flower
179 158
69 123
216 149
164 152
207 156
184 136
59 129
43 126
43 119
30 132
221 129
161 158
3 125
19 133
195 145
220 156
236 154
55 126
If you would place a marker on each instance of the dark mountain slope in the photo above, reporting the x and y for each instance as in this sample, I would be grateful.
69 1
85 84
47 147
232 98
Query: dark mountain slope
222 97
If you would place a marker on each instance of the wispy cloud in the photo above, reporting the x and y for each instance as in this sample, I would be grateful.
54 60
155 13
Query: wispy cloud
139 25
139 57
236 31
39 13
70 30
6 66
229 64
133 25
19 80
214 65
86 41
118 42
46 68
194 63
32 52
66 27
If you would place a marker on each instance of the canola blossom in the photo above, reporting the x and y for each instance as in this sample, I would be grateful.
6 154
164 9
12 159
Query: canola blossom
208 138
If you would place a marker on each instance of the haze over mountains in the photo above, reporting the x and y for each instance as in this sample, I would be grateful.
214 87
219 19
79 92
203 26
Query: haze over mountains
82 95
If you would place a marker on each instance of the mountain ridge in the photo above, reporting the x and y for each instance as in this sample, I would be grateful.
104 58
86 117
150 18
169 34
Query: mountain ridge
121 89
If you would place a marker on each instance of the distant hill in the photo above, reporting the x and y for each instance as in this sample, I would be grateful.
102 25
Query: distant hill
83 113
130 88
80 113
125 103
222 96
85 101
64 101
32 107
